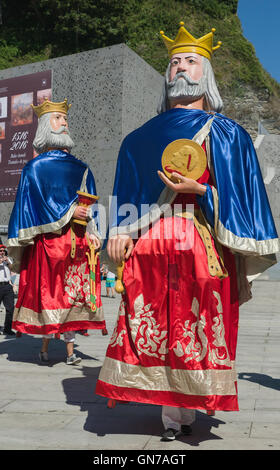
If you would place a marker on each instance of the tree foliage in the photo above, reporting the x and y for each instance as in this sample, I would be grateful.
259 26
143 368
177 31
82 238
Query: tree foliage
216 8
62 26
36 30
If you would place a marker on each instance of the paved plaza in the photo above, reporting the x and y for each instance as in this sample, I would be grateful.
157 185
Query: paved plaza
55 407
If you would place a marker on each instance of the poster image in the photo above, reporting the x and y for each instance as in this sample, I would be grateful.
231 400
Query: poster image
2 130
18 125
21 111
43 95
3 106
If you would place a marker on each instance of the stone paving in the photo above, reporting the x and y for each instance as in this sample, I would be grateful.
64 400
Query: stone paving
55 407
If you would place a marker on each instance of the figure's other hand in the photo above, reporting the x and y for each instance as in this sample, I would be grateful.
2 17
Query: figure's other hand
119 247
96 242
81 213
184 185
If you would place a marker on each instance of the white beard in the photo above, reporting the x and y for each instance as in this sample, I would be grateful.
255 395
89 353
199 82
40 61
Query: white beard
60 140
185 87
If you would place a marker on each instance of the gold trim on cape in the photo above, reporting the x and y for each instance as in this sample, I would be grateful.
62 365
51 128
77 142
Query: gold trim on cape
26 235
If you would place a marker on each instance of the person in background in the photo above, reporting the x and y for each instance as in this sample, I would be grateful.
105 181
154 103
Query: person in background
6 290
110 284
103 272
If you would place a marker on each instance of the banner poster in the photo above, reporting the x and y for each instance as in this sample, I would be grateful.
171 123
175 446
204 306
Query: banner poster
18 125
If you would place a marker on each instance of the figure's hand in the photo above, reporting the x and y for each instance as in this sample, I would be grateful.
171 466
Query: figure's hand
117 245
96 242
81 213
184 185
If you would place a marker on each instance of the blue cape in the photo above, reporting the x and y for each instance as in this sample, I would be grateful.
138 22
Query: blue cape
243 211
46 192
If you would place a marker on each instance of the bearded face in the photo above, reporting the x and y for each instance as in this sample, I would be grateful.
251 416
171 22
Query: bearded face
186 78
52 132
189 77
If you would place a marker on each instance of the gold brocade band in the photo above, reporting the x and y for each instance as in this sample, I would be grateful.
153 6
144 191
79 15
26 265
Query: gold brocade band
73 240
216 267
57 316
162 378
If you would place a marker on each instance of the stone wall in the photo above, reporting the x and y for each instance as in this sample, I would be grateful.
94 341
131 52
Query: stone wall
268 151
251 108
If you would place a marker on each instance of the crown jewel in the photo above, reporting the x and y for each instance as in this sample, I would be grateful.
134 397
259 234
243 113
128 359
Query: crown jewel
185 42
50 107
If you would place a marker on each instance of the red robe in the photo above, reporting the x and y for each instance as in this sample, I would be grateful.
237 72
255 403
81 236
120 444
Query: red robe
175 338
54 289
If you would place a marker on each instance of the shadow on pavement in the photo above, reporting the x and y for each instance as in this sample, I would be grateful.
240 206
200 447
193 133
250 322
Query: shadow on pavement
27 348
261 379
129 418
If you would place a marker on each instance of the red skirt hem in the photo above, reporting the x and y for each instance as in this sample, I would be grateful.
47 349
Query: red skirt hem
57 328
208 402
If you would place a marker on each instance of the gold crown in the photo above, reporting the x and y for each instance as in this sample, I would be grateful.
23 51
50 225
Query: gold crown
185 42
50 107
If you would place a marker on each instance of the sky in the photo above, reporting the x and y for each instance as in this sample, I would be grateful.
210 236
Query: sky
260 20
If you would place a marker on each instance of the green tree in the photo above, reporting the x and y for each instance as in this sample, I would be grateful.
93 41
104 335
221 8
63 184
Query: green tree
36 30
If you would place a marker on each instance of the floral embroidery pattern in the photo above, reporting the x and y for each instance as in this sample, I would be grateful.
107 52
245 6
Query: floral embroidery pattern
145 332
196 350
198 345
77 285
117 338
121 309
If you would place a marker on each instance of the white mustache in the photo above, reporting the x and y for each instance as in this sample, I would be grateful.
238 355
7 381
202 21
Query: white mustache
185 76
61 130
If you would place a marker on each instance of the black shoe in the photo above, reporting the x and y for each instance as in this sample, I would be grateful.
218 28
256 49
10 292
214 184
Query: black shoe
44 358
9 333
170 434
186 429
